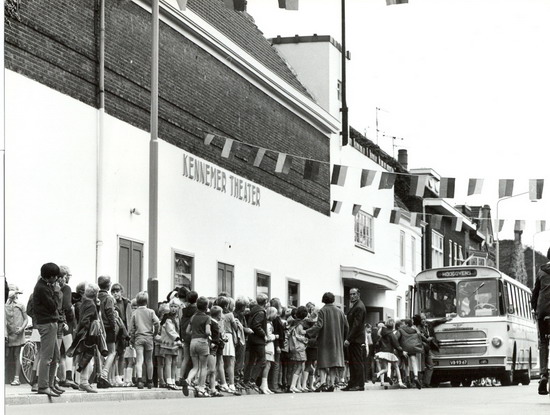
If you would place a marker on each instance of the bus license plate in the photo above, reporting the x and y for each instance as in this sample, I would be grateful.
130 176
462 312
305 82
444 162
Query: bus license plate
458 362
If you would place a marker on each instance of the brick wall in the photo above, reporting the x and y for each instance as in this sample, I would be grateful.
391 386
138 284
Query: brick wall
55 43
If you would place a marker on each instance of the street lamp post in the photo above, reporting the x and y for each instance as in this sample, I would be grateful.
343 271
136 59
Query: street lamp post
498 225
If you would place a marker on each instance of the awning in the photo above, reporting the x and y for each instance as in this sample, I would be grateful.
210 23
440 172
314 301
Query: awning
380 281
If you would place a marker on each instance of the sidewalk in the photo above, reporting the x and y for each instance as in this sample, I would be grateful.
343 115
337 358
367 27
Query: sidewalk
22 395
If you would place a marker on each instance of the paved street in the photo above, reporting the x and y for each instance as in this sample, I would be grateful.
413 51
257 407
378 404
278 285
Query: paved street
522 400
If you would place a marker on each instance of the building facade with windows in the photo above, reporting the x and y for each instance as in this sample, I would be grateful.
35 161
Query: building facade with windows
77 177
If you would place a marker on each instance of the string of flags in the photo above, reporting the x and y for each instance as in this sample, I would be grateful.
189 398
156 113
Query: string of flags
435 220
386 180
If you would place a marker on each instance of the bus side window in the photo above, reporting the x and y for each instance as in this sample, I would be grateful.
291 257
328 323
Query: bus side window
509 299
501 299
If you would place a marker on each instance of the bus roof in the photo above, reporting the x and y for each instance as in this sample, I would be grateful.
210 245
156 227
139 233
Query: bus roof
465 272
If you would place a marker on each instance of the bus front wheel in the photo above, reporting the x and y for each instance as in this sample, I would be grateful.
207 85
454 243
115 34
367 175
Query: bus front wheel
507 378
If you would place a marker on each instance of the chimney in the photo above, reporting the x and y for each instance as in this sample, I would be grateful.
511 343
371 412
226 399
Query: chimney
403 158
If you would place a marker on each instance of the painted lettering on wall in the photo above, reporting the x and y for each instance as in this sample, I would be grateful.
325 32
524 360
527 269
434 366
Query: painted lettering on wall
211 176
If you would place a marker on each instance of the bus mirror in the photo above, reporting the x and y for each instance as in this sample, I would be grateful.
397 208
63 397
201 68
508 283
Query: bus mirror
511 309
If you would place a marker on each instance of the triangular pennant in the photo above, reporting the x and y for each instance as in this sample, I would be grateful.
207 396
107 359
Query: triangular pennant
505 188
182 4
387 180
336 206
288 4
284 161
376 212
367 177
540 226
208 139
391 2
519 225
457 224
259 157
475 186
395 216
356 209
418 185
311 170
339 175
435 221
416 219
447 187
227 147
500 225
535 189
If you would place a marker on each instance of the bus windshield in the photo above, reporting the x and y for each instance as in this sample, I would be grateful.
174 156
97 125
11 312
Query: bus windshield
478 298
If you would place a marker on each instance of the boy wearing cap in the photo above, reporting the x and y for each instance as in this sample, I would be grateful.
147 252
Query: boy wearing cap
16 322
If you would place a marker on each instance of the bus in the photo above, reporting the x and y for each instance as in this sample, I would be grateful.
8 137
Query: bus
492 332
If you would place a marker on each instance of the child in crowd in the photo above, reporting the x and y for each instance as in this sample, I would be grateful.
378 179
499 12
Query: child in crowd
215 358
411 342
230 328
386 356
200 329
170 343
271 314
308 378
158 357
130 357
144 326
297 342
16 323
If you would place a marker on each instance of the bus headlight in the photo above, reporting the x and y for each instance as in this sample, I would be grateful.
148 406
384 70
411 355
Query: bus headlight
496 341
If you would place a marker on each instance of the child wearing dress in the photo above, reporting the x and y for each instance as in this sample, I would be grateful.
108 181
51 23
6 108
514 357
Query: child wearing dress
271 314
386 357
130 357
144 326
170 342
297 346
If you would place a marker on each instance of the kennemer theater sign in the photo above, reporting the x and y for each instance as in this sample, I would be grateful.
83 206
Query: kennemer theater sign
218 179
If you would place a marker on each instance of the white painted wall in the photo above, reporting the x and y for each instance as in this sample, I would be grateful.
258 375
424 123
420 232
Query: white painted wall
51 206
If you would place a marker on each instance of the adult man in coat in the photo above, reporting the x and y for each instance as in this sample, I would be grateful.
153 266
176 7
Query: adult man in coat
540 303
355 341
257 322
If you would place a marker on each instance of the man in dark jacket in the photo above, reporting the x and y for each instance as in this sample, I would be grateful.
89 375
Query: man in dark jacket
45 319
427 329
356 317
107 309
257 322
540 303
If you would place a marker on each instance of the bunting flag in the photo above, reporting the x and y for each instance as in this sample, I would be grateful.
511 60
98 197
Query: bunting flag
259 157
227 147
182 4
447 187
387 180
520 225
418 184
208 139
336 206
390 2
367 177
355 210
288 4
376 212
395 216
535 188
237 5
284 161
457 224
540 226
475 186
311 170
339 175
505 188
435 221
416 219
499 225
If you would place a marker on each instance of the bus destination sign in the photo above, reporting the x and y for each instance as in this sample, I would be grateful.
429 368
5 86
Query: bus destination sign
457 273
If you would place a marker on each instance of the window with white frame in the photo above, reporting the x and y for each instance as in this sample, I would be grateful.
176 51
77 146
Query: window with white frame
398 308
364 230
402 246
455 254
413 254
437 250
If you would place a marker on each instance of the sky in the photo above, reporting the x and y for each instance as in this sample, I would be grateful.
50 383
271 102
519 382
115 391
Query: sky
464 84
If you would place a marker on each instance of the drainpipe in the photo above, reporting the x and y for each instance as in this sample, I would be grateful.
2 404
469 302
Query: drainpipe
99 141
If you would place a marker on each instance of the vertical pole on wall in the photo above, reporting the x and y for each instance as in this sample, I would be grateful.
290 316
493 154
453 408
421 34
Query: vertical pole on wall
345 128
152 281
99 142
